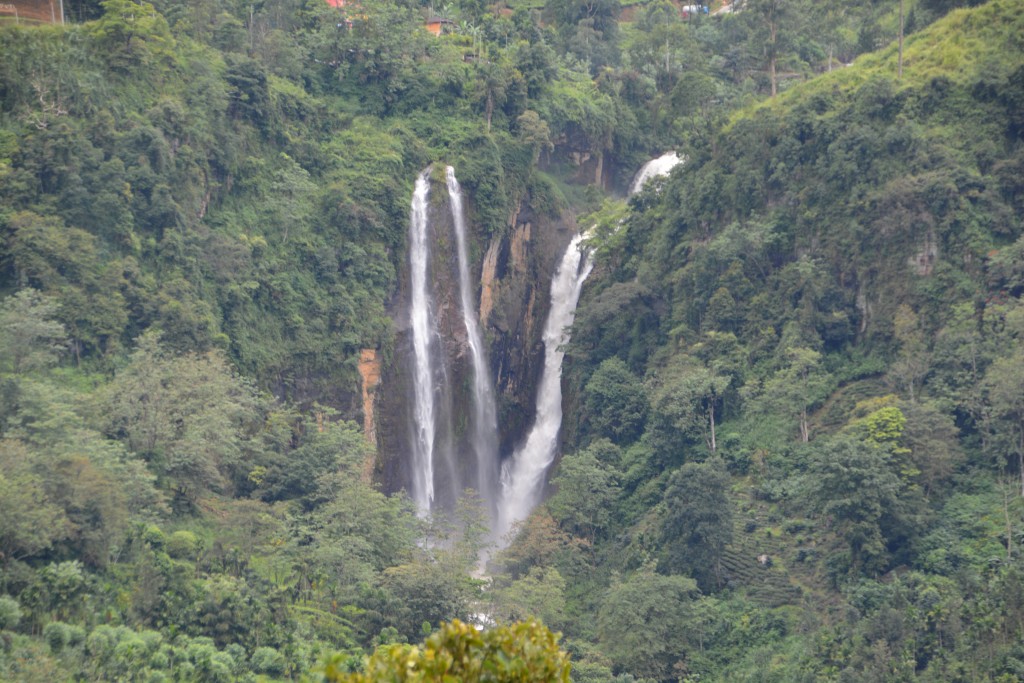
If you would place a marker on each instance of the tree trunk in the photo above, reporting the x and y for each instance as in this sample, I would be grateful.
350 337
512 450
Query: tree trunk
899 62
1009 525
712 416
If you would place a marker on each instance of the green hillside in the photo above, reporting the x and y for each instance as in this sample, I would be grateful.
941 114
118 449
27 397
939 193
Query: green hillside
793 442
821 311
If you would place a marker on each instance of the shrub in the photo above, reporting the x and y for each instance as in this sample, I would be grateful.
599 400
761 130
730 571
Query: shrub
55 635
267 660
525 651
182 545
10 612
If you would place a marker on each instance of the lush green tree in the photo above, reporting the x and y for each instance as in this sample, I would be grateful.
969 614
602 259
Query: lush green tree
520 652
538 541
425 592
298 452
537 62
493 84
30 338
854 485
614 402
697 525
538 595
10 612
585 495
773 15
684 404
190 416
535 132
932 437
59 592
589 28
913 363
365 524
287 205
65 262
961 353
646 624
30 523
1005 407
792 391
134 32
100 487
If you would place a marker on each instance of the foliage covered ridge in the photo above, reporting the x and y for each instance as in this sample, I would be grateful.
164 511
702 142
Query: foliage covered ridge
965 46
795 363
793 446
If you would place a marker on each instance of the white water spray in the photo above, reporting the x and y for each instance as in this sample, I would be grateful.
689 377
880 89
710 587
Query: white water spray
485 421
655 167
420 315
522 476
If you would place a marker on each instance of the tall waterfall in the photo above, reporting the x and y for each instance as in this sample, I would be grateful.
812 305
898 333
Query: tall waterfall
485 422
421 317
453 435
522 476
653 168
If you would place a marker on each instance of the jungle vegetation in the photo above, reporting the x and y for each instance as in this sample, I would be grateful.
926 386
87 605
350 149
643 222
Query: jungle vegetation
794 435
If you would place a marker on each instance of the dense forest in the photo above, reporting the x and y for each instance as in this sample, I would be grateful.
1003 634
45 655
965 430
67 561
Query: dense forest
793 435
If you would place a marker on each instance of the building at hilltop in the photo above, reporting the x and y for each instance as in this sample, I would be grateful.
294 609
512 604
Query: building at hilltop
35 11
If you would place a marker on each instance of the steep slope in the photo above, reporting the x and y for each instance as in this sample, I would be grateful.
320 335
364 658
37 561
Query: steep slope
823 303
886 191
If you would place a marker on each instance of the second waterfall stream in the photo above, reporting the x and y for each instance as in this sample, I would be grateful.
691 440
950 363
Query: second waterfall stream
522 476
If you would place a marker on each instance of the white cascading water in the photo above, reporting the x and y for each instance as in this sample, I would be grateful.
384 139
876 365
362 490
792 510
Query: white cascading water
485 421
652 169
522 476
518 488
420 315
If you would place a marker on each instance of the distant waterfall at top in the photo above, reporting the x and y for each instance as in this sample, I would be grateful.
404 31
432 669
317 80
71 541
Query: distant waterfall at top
522 476
653 168
485 421
421 318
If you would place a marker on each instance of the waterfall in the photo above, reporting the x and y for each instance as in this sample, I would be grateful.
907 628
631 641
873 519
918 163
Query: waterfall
484 435
443 461
653 168
522 476
421 317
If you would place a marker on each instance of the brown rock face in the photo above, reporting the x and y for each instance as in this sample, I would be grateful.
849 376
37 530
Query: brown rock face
369 370
487 281
515 291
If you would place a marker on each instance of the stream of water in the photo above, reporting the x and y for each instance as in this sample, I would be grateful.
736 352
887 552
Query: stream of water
484 434
522 476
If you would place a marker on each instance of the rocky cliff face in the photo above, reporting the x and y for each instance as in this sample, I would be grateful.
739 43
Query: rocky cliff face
511 275
517 286
369 373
